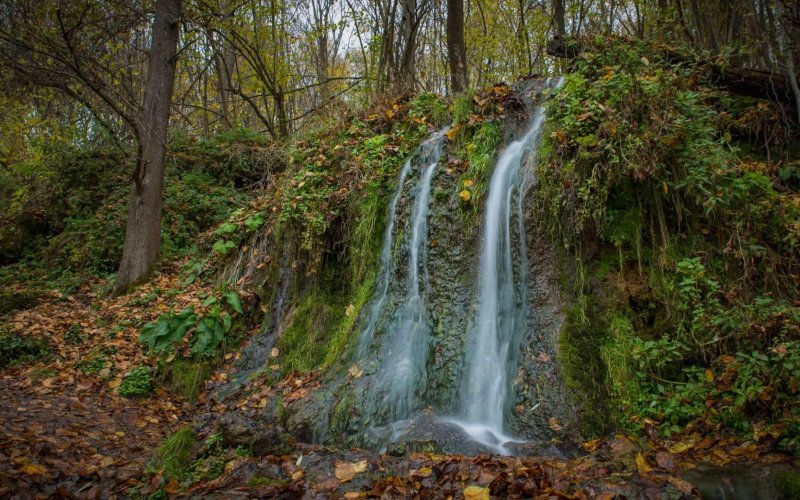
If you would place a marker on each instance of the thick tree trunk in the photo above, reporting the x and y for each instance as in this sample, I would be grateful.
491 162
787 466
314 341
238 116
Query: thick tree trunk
143 232
456 48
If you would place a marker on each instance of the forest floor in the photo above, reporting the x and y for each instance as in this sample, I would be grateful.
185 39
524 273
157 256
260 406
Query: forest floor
67 432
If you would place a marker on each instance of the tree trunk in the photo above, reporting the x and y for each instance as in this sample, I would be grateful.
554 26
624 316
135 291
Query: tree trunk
407 72
559 18
456 49
143 232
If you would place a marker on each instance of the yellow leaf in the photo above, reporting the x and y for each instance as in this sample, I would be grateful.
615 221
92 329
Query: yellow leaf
115 383
355 371
389 114
468 183
424 472
33 469
350 310
679 447
476 493
591 445
451 134
464 195
641 465
298 474
709 375
345 471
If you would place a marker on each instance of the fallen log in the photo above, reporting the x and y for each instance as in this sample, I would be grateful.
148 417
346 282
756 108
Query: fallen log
743 81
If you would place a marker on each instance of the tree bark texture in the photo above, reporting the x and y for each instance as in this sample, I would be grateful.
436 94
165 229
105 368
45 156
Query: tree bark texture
456 48
143 231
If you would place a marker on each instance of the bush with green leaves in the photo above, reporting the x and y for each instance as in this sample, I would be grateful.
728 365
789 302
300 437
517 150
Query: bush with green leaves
208 332
685 242
67 210
136 382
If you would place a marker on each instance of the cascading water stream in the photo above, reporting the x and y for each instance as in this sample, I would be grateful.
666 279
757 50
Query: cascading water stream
385 269
492 349
403 359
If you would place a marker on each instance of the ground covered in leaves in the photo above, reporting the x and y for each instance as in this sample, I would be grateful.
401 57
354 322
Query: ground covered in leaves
67 431
66 428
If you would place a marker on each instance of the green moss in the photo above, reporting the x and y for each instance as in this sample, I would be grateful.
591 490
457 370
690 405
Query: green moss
136 382
481 152
621 375
174 456
584 370
340 415
429 107
185 377
788 484
304 343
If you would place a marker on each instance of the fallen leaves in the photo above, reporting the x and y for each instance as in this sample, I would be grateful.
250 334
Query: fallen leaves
33 469
355 371
62 424
346 471
555 426
476 493
641 465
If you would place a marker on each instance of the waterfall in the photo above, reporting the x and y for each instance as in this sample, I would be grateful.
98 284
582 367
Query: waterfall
385 267
492 346
404 356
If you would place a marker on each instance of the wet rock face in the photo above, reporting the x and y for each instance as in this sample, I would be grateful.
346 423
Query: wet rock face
427 433
350 412
541 405
452 264
260 436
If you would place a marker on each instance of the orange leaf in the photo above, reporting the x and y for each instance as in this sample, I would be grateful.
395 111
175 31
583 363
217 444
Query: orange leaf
33 469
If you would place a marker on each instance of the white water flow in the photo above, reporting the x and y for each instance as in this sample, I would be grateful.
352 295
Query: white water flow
492 348
385 267
404 375
428 153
